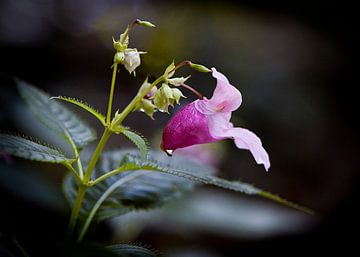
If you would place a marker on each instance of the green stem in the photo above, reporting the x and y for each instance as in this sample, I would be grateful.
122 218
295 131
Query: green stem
104 138
83 186
112 173
71 168
104 196
77 157
76 209
111 96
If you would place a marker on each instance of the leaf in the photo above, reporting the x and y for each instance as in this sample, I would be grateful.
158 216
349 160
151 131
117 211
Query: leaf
28 149
135 189
138 140
149 184
56 117
128 250
83 105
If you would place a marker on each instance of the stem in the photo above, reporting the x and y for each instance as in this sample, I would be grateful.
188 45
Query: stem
96 154
76 209
82 187
23 252
71 168
111 173
199 95
111 96
179 65
104 197
77 157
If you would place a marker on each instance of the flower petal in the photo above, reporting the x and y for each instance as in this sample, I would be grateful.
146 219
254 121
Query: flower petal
187 127
226 97
220 128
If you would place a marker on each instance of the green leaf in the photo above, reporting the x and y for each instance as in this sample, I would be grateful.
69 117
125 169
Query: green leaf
138 140
28 149
128 250
134 189
56 117
84 105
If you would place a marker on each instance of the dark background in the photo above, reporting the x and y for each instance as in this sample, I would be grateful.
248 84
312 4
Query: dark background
294 63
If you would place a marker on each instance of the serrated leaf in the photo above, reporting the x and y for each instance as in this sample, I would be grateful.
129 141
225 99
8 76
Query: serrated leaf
138 140
128 250
28 149
84 105
130 190
56 116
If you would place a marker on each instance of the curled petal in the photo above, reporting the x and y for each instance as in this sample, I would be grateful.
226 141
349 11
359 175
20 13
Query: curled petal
226 97
220 128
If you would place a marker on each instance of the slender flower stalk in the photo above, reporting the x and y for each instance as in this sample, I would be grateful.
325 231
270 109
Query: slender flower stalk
111 95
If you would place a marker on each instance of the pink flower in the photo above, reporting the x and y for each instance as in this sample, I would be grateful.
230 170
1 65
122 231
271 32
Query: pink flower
208 120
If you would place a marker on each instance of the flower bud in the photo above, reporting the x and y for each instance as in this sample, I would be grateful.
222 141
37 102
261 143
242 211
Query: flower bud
167 91
169 72
124 37
161 101
199 67
145 23
119 57
132 59
146 105
178 81
177 94
144 87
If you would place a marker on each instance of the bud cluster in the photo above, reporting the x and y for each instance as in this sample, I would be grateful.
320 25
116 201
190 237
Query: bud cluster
159 99
129 57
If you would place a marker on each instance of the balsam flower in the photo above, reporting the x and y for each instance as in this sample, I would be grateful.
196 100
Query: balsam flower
208 120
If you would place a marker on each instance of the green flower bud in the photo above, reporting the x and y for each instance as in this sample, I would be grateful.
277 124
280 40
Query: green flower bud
146 105
119 57
161 101
178 81
177 94
167 72
124 37
199 67
167 91
145 23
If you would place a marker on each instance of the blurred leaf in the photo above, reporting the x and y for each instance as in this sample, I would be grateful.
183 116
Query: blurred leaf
128 250
130 190
28 149
83 105
56 117
138 140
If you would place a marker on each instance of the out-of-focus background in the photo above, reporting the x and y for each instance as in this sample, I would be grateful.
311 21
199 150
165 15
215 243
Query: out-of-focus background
293 64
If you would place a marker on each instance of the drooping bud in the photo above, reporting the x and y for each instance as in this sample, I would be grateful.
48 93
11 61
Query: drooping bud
145 23
161 100
144 87
177 94
146 105
178 81
199 67
132 59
